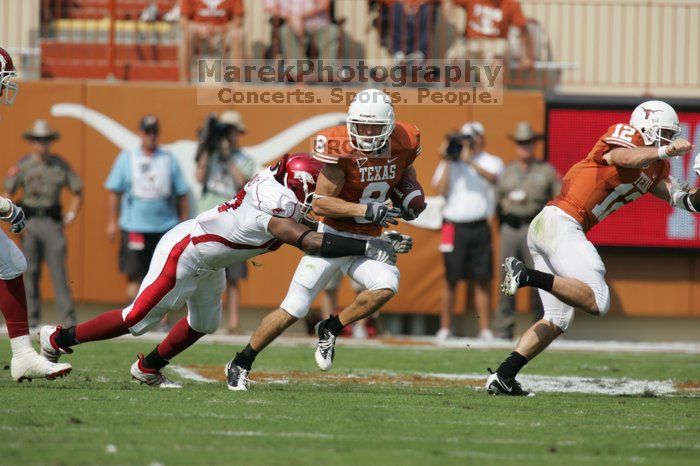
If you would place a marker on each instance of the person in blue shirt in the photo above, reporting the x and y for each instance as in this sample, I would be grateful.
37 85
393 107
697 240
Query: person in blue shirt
148 196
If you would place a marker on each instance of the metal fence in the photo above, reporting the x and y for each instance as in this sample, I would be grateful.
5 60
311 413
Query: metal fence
594 46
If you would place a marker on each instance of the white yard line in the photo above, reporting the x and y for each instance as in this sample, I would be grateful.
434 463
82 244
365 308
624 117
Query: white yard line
535 383
189 374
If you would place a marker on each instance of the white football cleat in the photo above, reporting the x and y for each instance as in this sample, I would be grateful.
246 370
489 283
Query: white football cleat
49 349
325 348
31 366
151 377
236 377
514 269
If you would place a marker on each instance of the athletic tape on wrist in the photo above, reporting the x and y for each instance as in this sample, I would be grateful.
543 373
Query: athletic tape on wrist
662 152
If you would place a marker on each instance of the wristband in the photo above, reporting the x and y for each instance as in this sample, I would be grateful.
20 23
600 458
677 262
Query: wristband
663 155
301 238
341 246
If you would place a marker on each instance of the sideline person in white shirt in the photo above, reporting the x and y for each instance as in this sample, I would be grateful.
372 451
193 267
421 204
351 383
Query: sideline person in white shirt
467 179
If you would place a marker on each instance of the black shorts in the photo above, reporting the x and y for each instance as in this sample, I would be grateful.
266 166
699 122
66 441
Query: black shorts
136 252
237 272
472 257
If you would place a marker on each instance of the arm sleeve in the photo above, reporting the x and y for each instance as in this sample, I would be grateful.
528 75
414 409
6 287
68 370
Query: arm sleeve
13 179
237 9
118 179
438 172
75 183
186 9
180 186
518 19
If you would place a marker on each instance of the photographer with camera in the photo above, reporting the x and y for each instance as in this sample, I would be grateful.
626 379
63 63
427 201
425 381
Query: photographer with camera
467 176
223 169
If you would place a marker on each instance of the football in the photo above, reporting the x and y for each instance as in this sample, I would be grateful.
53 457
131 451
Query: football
408 195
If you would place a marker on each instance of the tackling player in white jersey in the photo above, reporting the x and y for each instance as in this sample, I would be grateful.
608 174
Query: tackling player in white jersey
25 363
189 261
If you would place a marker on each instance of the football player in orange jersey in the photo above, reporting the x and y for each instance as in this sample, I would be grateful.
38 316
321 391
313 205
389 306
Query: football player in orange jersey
628 161
363 160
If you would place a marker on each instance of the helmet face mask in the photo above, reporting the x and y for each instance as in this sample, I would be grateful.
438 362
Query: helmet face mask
370 107
8 89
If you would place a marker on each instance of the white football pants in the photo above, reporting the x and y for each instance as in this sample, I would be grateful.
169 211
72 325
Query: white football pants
559 246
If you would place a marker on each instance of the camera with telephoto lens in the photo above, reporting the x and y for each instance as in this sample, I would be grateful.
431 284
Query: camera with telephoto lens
212 132
455 144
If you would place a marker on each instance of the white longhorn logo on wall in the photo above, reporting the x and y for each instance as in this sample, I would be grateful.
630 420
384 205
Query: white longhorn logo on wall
262 153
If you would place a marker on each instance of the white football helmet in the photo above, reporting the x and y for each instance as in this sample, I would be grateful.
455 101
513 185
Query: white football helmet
651 118
8 89
370 107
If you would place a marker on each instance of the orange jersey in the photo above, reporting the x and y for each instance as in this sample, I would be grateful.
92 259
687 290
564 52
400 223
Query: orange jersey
367 178
592 189
217 13
488 19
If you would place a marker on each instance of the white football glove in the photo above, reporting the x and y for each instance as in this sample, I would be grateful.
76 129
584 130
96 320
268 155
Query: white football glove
380 250
15 217
696 166
400 242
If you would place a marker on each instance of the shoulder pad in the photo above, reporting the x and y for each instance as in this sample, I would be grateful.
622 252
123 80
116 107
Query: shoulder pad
268 196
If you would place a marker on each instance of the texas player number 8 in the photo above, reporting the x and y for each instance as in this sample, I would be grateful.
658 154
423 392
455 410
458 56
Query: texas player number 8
374 192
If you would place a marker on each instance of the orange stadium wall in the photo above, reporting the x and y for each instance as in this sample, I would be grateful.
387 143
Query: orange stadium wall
656 283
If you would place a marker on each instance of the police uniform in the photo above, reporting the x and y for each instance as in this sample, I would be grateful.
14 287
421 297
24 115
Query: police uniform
521 196
42 180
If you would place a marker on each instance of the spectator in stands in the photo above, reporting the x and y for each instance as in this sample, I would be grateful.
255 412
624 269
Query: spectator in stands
411 27
42 176
526 186
223 169
148 196
467 176
486 34
306 22
214 26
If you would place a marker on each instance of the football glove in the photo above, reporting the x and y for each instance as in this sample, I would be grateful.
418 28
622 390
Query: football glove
380 250
696 166
16 218
400 242
380 213
677 191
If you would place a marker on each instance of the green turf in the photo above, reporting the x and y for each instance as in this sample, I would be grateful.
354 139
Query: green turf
74 420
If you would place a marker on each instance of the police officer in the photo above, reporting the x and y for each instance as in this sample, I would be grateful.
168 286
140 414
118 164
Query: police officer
526 185
42 175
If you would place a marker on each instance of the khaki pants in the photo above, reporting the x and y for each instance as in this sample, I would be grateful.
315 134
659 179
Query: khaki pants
44 241
327 40
513 242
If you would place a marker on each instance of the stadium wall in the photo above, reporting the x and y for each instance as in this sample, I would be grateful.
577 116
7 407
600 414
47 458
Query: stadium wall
655 282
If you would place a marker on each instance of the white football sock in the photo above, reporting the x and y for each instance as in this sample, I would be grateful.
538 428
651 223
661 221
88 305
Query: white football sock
22 345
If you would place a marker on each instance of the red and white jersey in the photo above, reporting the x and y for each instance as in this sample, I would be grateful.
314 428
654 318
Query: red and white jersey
237 230
591 189
367 178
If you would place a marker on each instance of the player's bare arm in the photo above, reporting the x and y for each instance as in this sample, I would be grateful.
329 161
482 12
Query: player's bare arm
327 204
639 157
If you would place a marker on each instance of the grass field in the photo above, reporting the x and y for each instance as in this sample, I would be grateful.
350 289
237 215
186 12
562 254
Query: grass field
378 406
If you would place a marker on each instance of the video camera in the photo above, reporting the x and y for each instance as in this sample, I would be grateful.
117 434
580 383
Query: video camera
456 143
